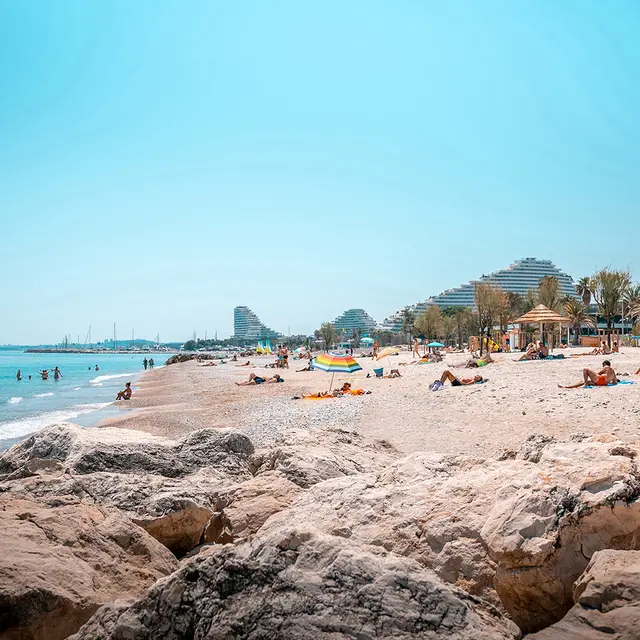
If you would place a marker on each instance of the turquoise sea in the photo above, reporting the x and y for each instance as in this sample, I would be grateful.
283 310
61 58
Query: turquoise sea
81 396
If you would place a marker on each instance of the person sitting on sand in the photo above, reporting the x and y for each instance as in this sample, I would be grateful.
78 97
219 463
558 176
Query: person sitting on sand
616 348
125 394
253 379
345 387
458 382
394 373
591 378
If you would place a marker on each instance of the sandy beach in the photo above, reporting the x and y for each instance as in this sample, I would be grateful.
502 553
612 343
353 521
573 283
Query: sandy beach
519 399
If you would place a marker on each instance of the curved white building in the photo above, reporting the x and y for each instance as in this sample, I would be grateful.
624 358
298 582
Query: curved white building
519 277
355 319
247 326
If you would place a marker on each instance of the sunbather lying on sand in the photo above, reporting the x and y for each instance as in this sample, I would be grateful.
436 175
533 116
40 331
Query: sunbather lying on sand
595 378
246 364
276 378
253 379
458 382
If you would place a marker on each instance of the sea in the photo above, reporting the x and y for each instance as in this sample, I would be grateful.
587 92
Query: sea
84 395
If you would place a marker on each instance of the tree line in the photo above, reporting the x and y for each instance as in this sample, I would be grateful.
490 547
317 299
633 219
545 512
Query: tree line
612 291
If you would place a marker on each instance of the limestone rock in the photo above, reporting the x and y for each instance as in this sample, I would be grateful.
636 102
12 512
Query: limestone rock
307 458
167 487
542 537
58 565
296 583
515 532
249 504
607 601
127 451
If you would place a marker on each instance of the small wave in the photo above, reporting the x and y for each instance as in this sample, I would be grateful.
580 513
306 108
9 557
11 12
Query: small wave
43 395
75 389
24 426
15 400
100 379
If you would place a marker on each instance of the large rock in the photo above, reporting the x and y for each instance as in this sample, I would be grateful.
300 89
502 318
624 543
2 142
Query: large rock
607 601
542 537
58 565
298 584
126 451
309 457
516 532
167 487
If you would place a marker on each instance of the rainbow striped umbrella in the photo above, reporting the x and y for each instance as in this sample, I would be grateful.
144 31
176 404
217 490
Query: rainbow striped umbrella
335 363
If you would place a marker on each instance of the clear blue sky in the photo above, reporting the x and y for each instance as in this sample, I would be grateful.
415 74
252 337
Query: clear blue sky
162 162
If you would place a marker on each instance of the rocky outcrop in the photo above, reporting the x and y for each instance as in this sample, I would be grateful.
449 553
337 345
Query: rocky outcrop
167 487
59 564
306 458
125 451
607 601
296 583
185 357
516 532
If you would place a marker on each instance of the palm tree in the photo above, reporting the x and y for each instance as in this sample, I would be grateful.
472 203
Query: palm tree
583 289
578 312
632 301
608 288
408 320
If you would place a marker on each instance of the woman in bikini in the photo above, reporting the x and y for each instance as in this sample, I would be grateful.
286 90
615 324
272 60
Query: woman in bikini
458 382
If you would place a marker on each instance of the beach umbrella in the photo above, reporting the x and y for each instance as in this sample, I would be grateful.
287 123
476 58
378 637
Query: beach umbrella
387 351
542 315
335 363
367 340
435 344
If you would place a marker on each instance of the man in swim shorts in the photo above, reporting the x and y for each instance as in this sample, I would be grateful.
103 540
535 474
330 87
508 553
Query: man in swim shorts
592 378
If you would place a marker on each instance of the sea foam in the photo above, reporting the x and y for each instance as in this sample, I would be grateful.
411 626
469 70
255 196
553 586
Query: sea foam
43 395
100 379
24 426
15 400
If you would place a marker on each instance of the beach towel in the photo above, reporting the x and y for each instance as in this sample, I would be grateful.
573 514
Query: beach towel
593 386
316 397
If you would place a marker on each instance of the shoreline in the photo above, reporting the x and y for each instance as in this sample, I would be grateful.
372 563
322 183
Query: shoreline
520 399
89 413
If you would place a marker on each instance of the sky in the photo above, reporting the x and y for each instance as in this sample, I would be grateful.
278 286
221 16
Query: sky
163 162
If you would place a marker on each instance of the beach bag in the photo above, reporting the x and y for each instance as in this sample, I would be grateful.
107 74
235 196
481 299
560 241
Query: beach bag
436 385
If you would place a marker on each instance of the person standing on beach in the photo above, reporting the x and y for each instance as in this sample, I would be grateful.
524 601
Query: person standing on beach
285 357
18 376
151 363
376 346
144 364
416 348
56 374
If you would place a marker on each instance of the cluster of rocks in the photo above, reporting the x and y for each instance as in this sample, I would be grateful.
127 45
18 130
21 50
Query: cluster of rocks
114 534
185 357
